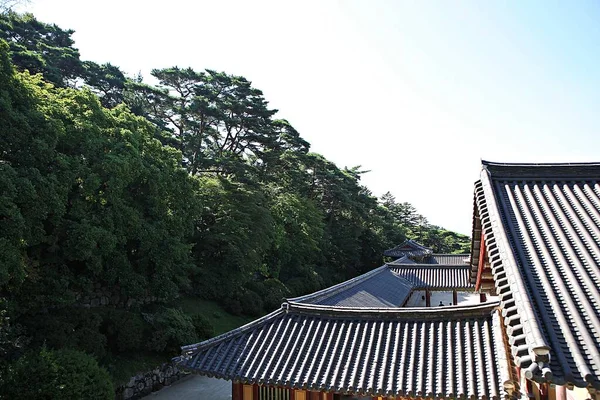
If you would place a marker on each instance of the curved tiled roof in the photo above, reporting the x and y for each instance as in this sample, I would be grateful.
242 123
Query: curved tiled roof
377 288
435 276
390 285
542 231
409 248
417 353
448 259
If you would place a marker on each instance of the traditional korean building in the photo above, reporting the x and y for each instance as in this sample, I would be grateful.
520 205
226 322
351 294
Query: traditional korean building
518 317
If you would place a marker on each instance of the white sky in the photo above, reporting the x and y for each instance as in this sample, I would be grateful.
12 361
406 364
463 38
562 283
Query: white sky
417 92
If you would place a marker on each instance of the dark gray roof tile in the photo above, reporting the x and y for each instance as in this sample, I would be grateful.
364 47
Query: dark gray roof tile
408 352
542 230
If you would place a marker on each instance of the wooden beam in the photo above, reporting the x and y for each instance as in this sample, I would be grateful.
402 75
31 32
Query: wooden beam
454 297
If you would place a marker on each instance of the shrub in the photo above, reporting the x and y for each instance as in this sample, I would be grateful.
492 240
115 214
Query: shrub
172 329
125 330
57 374
233 306
204 329
272 292
75 328
252 304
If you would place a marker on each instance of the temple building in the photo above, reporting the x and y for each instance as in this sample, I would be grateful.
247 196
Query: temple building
517 317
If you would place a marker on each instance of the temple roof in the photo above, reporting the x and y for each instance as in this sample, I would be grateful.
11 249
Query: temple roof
391 285
378 288
424 352
409 248
435 277
541 226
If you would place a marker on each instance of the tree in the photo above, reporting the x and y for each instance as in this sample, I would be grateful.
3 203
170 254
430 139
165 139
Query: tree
88 195
106 81
60 374
41 48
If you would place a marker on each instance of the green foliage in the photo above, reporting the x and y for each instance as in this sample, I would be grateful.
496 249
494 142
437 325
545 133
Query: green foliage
41 48
68 328
125 330
57 374
252 303
232 235
214 312
172 329
204 329
188 188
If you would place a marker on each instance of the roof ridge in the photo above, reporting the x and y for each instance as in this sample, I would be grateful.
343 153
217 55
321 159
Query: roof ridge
432 266
457 311
549 164
340 286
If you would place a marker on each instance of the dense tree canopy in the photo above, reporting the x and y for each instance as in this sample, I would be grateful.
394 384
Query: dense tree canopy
146 193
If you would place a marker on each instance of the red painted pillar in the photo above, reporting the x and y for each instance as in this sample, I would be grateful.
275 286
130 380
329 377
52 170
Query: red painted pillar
454 297
543 388
427 298
236 391
254 392
481 263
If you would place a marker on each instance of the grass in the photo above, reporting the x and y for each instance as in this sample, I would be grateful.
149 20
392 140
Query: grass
220 319
122 367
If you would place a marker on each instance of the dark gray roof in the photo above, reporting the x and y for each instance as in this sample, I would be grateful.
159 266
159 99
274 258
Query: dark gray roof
447 259
390 285
377 288
441 352
542 230
402 261
436 276
409 248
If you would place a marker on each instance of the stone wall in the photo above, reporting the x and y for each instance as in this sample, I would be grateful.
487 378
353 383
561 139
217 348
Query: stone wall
104 296
143 384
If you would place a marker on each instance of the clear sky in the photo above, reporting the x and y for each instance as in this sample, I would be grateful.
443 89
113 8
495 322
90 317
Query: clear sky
417 92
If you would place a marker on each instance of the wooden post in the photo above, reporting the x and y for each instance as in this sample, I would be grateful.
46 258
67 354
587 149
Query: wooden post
255 392
543 389
482 297
247 392
454 297
236 391
427 298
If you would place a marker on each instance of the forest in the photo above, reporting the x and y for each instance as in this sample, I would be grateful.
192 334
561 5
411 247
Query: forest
134 215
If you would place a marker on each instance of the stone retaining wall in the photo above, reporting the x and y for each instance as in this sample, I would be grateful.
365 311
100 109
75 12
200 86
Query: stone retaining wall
104 296
145 383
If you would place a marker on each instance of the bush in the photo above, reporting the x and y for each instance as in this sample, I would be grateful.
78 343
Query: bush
75 328
172 329
271 291
252 304
125 330
57 374
233 306
204 329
